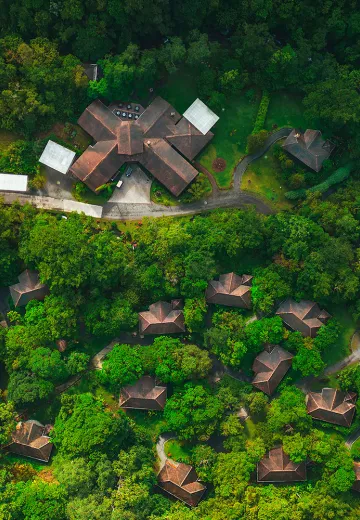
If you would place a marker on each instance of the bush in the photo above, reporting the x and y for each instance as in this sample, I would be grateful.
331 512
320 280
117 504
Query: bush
262 112
338 176
256 141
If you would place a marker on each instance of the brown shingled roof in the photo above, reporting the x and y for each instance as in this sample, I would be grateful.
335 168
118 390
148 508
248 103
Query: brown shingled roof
304 316
29 288
161 318
181 481
332 406
150 140
143 395
231 290
270 368
356 485
308 147
276 466
30 439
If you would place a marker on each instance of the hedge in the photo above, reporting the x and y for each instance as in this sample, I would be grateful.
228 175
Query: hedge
262 112
338 176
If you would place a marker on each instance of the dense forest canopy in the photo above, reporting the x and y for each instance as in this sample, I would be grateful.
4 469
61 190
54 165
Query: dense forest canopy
100 274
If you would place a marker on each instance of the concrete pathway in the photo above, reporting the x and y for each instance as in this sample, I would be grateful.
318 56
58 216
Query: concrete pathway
97 361
160 447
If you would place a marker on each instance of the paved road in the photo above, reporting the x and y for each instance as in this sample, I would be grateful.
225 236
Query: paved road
233 198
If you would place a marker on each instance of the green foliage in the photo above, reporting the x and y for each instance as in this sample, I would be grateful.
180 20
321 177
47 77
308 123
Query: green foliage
256 141
171 361
7 422
335 178
24 388
83 425
289 409
123 365
38 86
262 112
269 285
193 412
194 314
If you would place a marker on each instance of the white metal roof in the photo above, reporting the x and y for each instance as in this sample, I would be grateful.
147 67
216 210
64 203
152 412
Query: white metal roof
201 116
80 207
57 157
13 182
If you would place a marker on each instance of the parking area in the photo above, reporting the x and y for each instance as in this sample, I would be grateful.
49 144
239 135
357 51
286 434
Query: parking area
135 188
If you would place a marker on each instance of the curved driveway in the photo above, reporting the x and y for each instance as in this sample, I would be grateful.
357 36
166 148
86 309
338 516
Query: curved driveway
232 198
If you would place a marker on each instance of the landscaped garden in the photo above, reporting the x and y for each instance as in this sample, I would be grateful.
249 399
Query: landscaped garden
263 178
230 136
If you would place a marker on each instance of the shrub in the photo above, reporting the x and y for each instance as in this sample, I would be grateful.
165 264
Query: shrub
256 141
262 112
338 176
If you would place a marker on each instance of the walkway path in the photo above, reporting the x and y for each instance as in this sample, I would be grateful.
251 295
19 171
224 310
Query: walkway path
160 447
241 167
232 198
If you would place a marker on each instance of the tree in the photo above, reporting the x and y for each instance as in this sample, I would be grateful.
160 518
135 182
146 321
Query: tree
24 388
269 284
266 330
77 362
83 425
193 412
231 474
308 360
194 313
37 499
105 317
122 366
289 409
7 422
256 141
47 364
172 361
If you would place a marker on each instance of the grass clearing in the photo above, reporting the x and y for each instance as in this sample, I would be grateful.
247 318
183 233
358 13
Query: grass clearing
342 347
263 178
180 90
178 450
153 422
285 109
230 137
249 428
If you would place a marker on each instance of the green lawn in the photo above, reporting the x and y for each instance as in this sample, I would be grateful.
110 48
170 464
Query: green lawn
231 131
285 109
342 347
249 428
153 422
180 90
178 451
262 178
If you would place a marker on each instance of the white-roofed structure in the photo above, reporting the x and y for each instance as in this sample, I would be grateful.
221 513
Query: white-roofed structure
199 115
57 157
80 207
13 182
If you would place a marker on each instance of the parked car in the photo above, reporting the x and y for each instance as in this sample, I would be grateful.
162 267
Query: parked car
128 171
119 184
